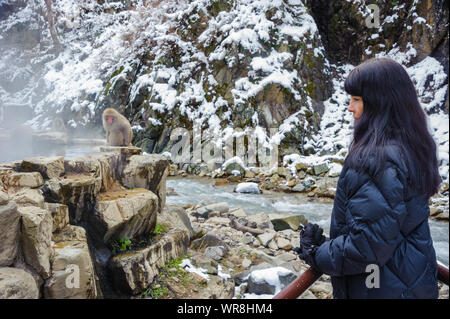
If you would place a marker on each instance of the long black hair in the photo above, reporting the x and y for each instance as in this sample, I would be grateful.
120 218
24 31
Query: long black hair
391 115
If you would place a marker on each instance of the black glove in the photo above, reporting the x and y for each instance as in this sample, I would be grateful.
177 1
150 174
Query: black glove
311 237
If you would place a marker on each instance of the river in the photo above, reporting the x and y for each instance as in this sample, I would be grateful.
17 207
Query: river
194 190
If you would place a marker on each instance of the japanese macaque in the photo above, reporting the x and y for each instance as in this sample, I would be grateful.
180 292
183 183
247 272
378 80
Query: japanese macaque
117 127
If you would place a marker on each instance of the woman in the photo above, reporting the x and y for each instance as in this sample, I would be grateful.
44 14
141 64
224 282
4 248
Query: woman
380 244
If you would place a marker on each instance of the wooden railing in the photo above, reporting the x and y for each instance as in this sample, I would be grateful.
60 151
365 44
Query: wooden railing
305 280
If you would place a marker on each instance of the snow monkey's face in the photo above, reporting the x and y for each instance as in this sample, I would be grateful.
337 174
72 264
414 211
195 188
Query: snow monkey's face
356 106
110 118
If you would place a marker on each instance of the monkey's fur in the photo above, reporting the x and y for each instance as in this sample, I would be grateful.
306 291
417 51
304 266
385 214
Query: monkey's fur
117 127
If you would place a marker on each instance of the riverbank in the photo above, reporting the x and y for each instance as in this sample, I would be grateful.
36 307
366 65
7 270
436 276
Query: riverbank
314 178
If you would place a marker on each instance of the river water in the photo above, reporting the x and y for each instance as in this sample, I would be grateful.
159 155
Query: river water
193 190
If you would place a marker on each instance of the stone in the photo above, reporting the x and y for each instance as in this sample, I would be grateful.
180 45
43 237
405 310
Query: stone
262 281
37 224
204 211
247 188
105 168
124 214
283 243
217 288
78 192
149 172
28 197
216 252
222 221
133 272
262 220
4 198
208 240
17 284
33 180
70 233
49 167
238 213
289 222
72 275
265 238
233 166
9 231
177 218
205 262
60 215
246 263
320 168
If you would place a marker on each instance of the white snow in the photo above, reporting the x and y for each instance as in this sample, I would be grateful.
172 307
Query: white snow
186 264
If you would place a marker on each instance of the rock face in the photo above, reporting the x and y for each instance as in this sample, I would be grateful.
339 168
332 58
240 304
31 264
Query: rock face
41 199
133 272
17 284
127 214
9 230
78 192
72 275
37 227
60 215
147 171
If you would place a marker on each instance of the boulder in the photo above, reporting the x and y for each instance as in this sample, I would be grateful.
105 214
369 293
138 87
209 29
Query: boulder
320 168
33 180
124 214
37 224
216 252
72 275
78 192
208 240
247 188
17 284
29 197
9 230
49 167
147 171
265 238
133 272
261 220
60 215
304 186
204 211
288 222
284 244
269 281
177 218
106 167
205 262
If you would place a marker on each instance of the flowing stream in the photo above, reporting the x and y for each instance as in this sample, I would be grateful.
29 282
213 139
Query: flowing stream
194 190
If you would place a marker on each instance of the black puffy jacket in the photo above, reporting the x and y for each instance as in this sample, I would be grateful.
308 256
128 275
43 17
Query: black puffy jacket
379 220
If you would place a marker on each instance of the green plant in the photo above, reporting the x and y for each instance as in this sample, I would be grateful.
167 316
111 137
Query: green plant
156 292
121 245
161 228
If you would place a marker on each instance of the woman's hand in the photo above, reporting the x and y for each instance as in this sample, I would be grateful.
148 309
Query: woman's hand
311 237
